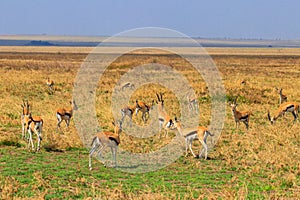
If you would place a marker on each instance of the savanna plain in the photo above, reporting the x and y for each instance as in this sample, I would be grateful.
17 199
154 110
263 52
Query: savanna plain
260 163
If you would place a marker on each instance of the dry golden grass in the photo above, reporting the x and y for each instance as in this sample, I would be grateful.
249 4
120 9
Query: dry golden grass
272 151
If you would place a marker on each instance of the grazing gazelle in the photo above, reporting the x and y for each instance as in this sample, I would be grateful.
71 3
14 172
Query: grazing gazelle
192 104
127 85
65 114
243 116
50 84
106 139
127 110
201 133
25 112
285 107
282 97
144 108
34 125
164 119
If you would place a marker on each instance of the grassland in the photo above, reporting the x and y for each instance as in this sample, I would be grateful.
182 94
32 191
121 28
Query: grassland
261 163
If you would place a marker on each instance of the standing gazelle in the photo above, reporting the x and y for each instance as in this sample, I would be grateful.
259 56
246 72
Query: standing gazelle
192 104
164 119
127 111
65 114
25 112
144 108
127 85
50 84
282 97
34 125
106 139
201 133
285 107
243 116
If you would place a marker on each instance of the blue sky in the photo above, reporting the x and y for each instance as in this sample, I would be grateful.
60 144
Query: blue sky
260 19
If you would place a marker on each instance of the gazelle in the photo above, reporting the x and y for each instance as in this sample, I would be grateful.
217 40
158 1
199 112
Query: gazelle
25 112
50 84
282 97
201 133
127 85
192 104
106 139
285 107
165 120
65 114
240 116
34 125
127 111
144 108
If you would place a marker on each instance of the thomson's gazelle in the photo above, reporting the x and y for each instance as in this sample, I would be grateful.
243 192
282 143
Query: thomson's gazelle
243 116
127 111
192 104
25 112
285 107
106 139
50 84
127 85
165 120
282 97
34 125
201 133
65 114
144 108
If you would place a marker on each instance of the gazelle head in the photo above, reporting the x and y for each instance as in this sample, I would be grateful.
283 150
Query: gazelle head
176 124
117 126
233 105
278 90
25 106
271 119
73 104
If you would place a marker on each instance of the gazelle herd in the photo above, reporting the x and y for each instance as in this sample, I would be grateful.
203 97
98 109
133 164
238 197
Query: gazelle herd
33 125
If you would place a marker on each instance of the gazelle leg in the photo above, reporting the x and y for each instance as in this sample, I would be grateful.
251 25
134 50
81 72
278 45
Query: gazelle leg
190 146
39 141
166 133
58 124
30 140
67 122
186 147
114 151
295 116
94 148
246 124
37 130
23 128
204 149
